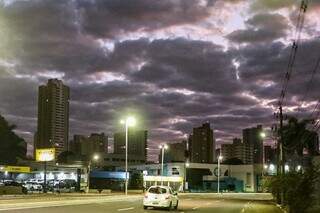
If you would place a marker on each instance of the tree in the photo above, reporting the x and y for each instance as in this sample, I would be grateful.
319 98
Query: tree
297 137
136 181
298 188
11 145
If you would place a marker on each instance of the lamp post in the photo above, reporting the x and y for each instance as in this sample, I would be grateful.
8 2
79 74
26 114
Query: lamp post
162 147
186 165
129 121
219 159
95 158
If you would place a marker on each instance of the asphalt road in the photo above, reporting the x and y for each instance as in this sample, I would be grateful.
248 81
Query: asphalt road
188 203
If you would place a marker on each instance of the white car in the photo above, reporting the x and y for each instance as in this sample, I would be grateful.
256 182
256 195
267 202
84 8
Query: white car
32 186
160 196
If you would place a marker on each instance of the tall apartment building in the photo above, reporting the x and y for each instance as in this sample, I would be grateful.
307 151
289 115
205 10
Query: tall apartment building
87 146
53 116
253 145
176 152
137 143
234 150
202 145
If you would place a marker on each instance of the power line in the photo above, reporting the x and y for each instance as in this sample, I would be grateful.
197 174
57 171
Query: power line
309 84
293 51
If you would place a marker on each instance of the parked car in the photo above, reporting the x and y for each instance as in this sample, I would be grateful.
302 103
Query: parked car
161 197
32 186
67 185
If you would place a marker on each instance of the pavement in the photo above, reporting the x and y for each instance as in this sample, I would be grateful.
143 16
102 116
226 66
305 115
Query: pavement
225 203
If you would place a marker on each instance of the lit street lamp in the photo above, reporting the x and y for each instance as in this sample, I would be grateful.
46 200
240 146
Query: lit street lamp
219 160
263 135
162 147
186 165
95 157
299 168
286 168
129 121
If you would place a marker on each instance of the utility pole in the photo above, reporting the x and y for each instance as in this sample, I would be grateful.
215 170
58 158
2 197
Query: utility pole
280 155
281 142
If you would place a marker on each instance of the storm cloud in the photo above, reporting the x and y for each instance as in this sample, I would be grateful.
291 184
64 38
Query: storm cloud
173 63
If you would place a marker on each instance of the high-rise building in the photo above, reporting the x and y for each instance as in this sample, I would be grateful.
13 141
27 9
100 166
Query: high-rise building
253 145
137 142
87 146
234 150
202 145
53 116
176 152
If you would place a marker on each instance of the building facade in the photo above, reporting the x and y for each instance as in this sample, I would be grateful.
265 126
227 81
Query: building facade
53 116
111 160
199 177
202 145
253 143
176 152
234 150
137 143
87 146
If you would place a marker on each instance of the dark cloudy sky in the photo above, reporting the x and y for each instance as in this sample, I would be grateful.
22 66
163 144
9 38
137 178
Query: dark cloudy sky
172 63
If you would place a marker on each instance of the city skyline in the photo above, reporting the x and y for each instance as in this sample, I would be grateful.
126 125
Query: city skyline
219 61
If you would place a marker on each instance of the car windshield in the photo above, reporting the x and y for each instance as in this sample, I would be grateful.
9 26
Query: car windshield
157 190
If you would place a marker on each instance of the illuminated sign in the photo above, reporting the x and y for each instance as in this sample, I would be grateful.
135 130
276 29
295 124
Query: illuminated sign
108 175
16 169
163 178
45 154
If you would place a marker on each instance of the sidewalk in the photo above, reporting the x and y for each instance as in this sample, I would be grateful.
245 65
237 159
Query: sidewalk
50 201
58 197
240 196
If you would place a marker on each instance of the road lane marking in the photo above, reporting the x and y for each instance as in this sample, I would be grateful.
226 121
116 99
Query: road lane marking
125 209
246 206
48 204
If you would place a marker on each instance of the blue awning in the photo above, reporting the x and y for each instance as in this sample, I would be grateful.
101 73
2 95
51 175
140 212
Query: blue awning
108 175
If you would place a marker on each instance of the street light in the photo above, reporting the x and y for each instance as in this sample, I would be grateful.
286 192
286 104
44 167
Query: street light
95 157
162 147
286 168
299 167
186 165
219 159
129 121
272 168
263 135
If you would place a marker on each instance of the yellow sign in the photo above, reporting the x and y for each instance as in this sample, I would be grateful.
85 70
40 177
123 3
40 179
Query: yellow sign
45 154
17 169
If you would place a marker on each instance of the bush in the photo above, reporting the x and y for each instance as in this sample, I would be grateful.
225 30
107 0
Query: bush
298 189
